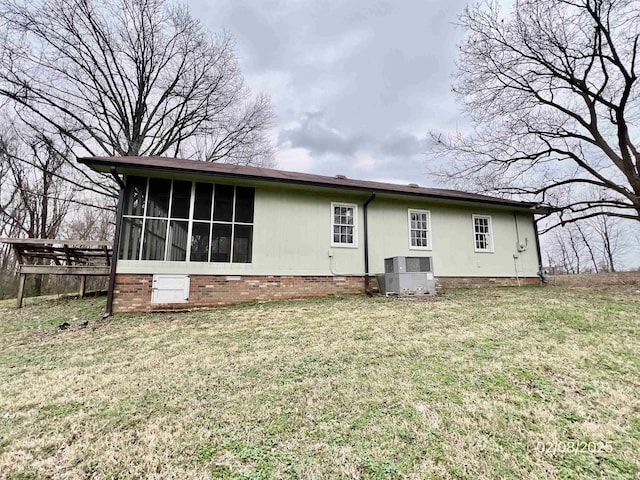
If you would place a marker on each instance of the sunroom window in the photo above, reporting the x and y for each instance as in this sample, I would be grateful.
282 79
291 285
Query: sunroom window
184 220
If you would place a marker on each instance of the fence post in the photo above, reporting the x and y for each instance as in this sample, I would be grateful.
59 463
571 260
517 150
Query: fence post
21 281
83 285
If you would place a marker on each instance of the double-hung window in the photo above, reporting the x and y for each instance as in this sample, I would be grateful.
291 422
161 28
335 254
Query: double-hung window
179 220
419 229
482 234
344 225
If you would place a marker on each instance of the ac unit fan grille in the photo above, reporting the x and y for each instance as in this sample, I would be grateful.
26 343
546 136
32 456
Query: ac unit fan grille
388 265
418 264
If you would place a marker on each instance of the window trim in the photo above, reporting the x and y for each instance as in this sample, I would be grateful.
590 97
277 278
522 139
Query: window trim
192 206
490 248
429 246
144 219
355 225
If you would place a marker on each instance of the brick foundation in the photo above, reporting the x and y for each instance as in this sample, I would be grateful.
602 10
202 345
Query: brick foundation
132 292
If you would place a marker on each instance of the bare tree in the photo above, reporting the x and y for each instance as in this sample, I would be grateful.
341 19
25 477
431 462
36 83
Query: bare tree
129 77
8 228
564 252
611 242
35 198
89 224
576 249
566 260
552 92
583 236
600 243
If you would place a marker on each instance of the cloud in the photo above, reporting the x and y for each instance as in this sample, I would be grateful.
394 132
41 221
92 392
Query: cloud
377 71
313 134
365 163
326 53
250 24
370 12
294 159
404 145
402 73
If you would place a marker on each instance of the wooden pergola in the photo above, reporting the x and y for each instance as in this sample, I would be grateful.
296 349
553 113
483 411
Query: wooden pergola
60 257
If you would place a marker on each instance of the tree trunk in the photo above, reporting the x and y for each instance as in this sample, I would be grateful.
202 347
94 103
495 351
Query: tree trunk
588 245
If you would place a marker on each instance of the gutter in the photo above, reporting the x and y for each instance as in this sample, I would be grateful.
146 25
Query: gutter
367 288
116 244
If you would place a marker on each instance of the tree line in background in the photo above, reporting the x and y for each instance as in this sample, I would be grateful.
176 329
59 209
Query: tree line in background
110 78
597 245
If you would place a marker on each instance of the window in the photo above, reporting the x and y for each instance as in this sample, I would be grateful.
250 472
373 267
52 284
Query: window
178 220
482 235
343 225
419 229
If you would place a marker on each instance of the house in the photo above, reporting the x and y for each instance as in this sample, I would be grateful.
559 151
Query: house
196 234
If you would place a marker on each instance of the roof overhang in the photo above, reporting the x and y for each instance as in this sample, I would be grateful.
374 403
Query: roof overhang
240 172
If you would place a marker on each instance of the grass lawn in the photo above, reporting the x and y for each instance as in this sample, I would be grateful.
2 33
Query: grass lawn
496 383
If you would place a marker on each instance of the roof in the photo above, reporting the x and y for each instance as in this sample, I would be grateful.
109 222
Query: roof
183 166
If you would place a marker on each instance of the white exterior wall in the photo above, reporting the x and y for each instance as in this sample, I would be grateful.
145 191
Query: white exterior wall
292 236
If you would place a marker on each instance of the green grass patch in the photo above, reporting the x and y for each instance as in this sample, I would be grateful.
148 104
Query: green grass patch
493 383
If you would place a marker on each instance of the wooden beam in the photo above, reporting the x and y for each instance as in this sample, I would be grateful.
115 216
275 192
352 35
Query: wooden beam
21 282
83 286
55 241
18 252
67 256
64 269
35 252
107 255
71 257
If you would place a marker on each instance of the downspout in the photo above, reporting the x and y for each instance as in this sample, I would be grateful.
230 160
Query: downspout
541 273
116 244
367 288
516 255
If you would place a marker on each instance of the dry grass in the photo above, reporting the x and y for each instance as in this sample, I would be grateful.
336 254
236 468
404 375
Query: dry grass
617 281
462 387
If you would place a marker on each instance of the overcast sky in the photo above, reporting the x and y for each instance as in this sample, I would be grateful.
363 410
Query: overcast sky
356 84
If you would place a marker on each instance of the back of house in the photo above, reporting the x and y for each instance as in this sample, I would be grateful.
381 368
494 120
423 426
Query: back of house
195 234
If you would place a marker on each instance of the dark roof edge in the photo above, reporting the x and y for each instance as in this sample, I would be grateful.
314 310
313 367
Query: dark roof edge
108 162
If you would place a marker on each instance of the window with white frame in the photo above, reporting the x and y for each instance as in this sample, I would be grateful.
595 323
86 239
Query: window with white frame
419 229
343 225
179 220
482 234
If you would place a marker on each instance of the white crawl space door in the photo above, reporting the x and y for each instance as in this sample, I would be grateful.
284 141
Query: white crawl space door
170 289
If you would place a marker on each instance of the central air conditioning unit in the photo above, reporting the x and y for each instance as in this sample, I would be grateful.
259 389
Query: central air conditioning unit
407 276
